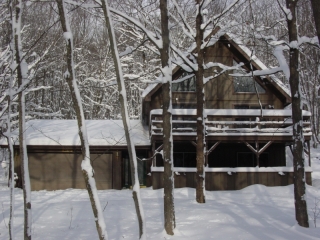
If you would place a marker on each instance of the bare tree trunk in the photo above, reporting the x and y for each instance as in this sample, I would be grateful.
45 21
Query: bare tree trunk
126 122
316 14
11 159
8 133
168 175
200 176
298 139
87 169
21 69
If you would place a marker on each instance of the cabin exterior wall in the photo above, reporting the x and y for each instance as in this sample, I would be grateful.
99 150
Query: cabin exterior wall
217 181
52 169
219 92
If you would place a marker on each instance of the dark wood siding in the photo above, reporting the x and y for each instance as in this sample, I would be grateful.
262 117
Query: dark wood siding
229 181
53 171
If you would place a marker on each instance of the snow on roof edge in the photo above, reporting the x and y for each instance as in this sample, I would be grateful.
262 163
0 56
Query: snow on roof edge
258 62
65 133
246 51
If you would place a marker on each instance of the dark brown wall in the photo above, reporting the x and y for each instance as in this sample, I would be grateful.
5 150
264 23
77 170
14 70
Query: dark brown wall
219 92
232 181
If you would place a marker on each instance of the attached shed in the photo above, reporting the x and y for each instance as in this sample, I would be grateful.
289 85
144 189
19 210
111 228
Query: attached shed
55 155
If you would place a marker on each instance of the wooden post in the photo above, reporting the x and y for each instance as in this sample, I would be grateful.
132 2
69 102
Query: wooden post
153 152
206 155
309 153
258 151
257 154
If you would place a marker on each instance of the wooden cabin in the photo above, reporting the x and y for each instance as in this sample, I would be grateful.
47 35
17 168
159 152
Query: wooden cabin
247 142
248 129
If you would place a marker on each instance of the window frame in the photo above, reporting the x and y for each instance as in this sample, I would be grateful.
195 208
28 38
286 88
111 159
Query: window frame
184 75
255 80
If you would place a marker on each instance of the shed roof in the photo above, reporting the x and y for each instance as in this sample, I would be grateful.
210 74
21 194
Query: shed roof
65 133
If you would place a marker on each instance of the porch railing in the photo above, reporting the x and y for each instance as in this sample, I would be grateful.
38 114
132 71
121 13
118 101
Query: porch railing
230 121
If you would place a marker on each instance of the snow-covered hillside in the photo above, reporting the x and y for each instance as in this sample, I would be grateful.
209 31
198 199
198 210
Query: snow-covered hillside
256 212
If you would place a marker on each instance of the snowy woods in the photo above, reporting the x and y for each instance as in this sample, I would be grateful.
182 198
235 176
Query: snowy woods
259 25
92 59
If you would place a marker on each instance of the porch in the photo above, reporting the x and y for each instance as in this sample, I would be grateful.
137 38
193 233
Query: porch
243 147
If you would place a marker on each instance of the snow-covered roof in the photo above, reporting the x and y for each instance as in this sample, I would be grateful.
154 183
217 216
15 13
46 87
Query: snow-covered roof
256 60
245 51
65 133
148 89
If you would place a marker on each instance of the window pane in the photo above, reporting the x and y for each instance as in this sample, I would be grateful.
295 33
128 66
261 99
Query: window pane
245 159
245 84
188 85
178 160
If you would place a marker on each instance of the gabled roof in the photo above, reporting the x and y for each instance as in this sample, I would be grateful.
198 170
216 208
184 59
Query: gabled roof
228 38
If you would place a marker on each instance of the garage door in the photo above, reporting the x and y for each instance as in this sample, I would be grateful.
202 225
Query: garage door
53 171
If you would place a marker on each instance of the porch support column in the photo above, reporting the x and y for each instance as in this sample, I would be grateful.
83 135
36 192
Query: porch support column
258 151
153 154
154 151
308 143
206 155
207 151
213 148
257 154
307 151
290 146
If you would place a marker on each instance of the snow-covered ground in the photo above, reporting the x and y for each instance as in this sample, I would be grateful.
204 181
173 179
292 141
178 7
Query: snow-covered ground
256 212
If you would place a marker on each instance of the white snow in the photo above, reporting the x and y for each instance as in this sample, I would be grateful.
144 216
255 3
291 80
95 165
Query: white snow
65 132
255 212
263 67
263 71
148 89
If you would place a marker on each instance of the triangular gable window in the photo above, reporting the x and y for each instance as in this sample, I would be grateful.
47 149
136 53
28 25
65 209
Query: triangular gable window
185 83
245 84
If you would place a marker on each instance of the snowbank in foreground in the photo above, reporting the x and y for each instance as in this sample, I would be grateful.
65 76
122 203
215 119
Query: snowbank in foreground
256 212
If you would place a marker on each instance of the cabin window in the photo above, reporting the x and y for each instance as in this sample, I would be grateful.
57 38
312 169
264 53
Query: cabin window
185 83
248 159
184 159
246 106
184 155
184 106
245 159
245 84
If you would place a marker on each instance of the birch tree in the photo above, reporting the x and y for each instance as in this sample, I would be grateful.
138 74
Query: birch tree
7 134
87 170
126 122
21 67
162 44
7 59
11 159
